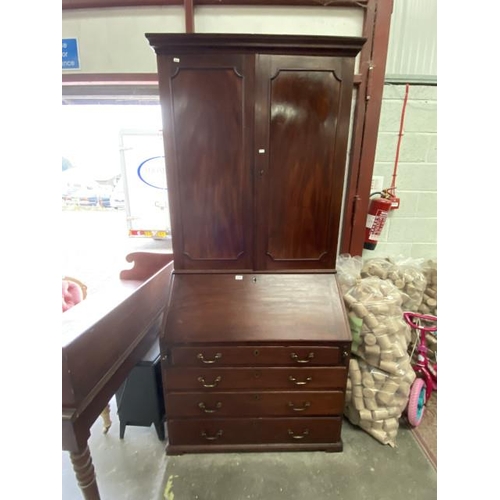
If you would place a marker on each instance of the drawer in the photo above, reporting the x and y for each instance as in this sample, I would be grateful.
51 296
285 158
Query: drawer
250 404
254 431
289 378
212 356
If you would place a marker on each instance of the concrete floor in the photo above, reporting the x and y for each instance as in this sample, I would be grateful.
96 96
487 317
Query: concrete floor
137 468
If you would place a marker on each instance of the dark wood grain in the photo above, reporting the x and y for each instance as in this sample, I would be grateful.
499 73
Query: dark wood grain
304 109
257 308
289 378
239 432
207 146
303 168
254 404
209 355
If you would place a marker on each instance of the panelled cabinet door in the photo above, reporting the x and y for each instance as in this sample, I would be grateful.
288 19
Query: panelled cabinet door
302 116
255 132
208 106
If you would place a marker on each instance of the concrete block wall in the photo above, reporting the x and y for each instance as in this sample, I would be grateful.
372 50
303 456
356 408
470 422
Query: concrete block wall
410 231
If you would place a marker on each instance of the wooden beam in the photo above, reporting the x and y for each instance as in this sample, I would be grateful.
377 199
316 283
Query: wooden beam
189 15
352 200
105 4
291 3
110 79
374 106
367 117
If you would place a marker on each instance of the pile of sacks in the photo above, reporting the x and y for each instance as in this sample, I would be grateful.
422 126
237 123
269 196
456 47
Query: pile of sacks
375 399
429 299
376 293
406 274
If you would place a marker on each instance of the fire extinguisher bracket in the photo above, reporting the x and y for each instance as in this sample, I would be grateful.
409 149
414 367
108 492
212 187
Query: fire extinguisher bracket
395 203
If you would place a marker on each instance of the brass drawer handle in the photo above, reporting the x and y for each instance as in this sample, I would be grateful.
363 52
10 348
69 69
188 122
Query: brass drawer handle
296 382
209 361
305 406
301 436
204 384
295 357
202 406
212 438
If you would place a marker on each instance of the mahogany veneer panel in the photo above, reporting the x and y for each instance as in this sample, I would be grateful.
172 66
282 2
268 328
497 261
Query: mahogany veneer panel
286 308
255 431
255 404
289 378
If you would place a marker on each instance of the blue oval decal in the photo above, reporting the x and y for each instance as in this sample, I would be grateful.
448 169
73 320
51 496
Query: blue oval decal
153 173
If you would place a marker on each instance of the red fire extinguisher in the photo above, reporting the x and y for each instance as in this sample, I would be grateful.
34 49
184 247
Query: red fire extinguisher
377 215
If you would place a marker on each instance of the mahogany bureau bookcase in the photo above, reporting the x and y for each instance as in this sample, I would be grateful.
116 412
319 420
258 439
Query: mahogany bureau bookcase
256 344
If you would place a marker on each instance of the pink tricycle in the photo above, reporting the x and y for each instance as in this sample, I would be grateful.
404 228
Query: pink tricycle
424 367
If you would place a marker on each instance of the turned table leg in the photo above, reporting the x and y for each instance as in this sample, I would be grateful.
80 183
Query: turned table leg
85 475
106 419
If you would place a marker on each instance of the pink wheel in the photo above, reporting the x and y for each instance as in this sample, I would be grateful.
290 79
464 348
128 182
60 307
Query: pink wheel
416 402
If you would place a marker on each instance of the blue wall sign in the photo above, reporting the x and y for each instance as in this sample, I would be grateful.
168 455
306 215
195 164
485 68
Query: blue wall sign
70 57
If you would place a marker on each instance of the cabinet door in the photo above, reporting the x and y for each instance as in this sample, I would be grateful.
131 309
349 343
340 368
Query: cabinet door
302 125
207 106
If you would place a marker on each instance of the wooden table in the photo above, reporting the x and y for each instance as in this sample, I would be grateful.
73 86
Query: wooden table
102 340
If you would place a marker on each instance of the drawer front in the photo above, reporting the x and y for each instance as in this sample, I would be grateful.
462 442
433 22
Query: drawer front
232 404
289 378
259 355
254 431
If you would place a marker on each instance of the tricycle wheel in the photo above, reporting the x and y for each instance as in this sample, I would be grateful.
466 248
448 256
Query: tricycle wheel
416 402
